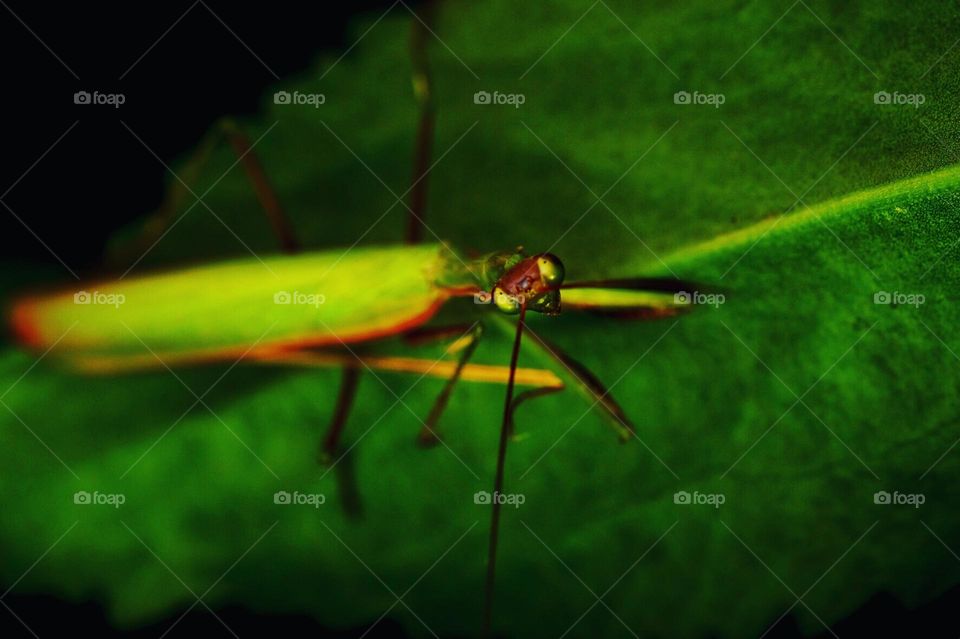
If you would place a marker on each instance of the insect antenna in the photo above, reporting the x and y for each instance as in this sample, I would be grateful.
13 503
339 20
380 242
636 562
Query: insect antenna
498 480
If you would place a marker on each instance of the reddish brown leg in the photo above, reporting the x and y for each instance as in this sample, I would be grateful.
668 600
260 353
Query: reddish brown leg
422 91
348 392
282 228
345 471
584 381
180 191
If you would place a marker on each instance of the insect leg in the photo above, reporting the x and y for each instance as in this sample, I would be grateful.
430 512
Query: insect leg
423 93
574 375
279 221
583 380
527 395
426 334
481 373
330 447
348 391
350 377
428 433
180 191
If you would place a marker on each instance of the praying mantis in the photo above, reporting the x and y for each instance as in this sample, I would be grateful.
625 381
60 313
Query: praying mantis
311 308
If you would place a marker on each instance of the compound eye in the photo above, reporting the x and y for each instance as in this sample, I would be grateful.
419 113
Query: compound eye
505 302
551 269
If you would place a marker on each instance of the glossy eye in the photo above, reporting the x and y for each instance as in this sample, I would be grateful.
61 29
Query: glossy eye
551 269
505 302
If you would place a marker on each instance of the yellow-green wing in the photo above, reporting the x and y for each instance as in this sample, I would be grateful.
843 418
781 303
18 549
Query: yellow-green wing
223 310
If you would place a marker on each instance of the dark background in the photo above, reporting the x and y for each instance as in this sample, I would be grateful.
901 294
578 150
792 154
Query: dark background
99 177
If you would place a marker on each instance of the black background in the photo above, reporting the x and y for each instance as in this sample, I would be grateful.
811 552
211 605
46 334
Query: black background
99 177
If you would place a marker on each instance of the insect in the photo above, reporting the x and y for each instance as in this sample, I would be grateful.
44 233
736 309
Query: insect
318 308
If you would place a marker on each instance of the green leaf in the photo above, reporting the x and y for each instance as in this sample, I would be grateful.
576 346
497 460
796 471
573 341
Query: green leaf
800 199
